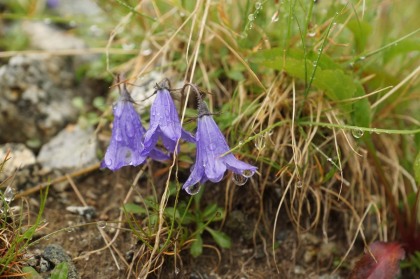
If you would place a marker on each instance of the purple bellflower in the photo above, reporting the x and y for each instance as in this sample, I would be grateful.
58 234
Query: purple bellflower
164 122
126 146
209 162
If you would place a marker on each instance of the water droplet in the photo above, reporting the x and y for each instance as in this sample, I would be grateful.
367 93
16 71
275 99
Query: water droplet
244 35
251 26
270 132
240 143
299 184
362 57
118 135
128 156
239 179
212 146
146 52
101 224
334 23
9 194
313 34
108 161
357 133
258 5
275 17
251 17
330 160
193 189
177 270
351 64
247 173
128 46
314 63
259 142
69 229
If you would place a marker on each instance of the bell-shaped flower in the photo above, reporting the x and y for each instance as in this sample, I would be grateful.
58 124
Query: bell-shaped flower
209 162
126 146
164 122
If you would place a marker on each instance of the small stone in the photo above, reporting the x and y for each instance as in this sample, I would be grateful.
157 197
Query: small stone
80 149
55 254
44 265
87 211
20 157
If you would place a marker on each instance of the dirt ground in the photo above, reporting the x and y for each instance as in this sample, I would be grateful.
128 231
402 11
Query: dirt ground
249 257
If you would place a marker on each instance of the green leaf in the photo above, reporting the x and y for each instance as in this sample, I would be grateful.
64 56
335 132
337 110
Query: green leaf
209 211
196 248
60 271
417 167
31 273
222 239
329 77
134 208
361 31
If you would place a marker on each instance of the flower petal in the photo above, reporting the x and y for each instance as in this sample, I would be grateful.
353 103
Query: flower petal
197 173
126 141
238 166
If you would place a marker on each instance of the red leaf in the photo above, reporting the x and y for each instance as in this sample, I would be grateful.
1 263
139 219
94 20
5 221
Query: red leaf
384 265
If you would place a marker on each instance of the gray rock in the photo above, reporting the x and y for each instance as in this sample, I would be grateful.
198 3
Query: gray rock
47 37
55 254
86 211
74 147
19 157
35 94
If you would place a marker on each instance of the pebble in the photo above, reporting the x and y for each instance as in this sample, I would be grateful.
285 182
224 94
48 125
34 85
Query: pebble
20 157
55 254
80 149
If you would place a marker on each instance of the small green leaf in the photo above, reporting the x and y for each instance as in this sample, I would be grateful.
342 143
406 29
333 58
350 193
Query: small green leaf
209 211
60 271
361 31
417 167
196 248
31 273
134 208
222 239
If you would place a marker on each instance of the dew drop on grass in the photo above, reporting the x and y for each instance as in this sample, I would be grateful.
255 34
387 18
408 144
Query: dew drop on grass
239 179
240 143
275 17
193 189
251 26
313 34
258 5
259 142
251 17
9 194
101 224
247 173
176 271
357 133
299 184
362 57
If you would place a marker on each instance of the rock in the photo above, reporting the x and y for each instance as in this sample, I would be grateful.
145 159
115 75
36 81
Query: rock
47 37
19 157
74 147
35 94
86 211
142 94
55 254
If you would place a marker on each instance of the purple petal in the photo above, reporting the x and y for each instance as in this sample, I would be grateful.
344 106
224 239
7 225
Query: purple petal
164 122
237 166
126 141
197 173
